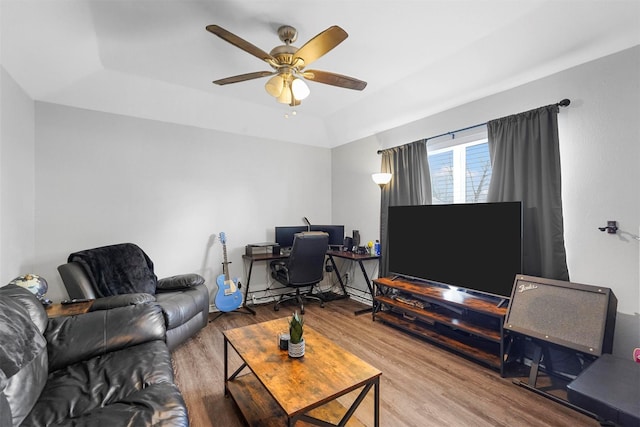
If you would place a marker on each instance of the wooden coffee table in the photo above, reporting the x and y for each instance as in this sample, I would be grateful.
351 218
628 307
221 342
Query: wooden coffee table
272 389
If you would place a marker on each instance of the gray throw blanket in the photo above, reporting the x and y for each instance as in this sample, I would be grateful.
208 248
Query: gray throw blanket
118 269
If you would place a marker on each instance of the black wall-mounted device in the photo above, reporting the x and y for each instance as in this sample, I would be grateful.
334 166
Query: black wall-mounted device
611 227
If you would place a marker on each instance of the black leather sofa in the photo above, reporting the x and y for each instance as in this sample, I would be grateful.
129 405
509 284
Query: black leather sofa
122 274
104 368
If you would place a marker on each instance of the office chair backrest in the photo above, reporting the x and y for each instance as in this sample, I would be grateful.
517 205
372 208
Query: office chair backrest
306 261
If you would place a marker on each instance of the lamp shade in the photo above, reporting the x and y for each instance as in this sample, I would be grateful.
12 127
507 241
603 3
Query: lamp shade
300 89
274 85
381 178
286 96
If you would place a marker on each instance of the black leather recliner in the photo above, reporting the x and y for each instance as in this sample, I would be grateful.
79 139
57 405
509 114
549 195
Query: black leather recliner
122 274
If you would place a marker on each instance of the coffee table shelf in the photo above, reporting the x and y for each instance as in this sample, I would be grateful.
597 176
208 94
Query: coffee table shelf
259 408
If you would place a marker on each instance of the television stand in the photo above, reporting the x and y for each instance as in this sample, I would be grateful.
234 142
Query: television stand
463 323
498 301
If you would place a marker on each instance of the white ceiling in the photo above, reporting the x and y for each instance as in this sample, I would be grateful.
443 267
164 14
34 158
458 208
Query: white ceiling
155 60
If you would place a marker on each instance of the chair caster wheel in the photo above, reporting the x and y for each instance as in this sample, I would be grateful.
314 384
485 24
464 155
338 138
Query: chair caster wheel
276 308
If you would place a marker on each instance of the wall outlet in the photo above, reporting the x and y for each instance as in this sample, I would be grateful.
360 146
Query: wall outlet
253 299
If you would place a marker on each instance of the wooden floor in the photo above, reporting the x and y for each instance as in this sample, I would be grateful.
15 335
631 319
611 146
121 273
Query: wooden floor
421 384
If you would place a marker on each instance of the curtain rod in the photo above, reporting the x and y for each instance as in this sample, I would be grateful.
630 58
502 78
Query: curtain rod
564 103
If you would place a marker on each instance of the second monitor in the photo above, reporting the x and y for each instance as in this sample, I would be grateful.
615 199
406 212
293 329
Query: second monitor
284 234
335 232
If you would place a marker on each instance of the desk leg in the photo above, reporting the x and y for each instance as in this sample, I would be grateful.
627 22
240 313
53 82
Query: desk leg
246 290
376 304
335 269
366 278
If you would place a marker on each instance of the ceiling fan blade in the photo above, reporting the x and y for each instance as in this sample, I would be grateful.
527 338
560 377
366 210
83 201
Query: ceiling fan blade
239 42
320 44
244 77
334 79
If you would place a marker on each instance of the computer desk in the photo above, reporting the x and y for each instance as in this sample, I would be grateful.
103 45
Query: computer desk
359 258
268 257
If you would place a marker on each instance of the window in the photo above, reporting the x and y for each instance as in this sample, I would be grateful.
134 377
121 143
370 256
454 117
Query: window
460 169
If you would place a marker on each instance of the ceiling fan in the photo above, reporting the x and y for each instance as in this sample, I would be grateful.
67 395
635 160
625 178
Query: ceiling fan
289 63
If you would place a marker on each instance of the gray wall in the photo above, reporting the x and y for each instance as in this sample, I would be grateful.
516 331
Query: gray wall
75 179
17 180
104 179
600 150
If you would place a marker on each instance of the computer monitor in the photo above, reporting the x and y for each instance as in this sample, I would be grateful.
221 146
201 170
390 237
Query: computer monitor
285 234
336 233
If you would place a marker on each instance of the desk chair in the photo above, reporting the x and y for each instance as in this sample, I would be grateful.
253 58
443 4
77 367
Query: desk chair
303 269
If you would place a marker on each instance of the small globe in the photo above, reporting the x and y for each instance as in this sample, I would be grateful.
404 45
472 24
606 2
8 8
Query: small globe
34 283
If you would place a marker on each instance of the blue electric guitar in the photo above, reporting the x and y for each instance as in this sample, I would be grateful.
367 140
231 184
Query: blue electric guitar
228 297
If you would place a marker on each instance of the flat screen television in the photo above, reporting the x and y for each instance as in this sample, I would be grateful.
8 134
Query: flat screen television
336 233
476 246
285 234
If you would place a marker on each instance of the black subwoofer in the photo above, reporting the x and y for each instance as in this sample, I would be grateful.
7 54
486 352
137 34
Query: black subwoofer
572 315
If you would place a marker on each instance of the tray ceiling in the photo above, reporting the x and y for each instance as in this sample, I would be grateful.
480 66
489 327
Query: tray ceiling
154 59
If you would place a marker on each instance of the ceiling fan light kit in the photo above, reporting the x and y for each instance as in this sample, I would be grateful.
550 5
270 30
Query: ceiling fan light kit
284 87
288 62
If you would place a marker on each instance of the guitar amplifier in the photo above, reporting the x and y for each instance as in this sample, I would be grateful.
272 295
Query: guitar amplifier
573 315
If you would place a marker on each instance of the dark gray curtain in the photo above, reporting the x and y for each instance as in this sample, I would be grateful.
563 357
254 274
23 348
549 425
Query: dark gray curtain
525 161
410 185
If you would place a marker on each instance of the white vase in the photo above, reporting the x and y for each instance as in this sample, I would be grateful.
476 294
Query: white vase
296 350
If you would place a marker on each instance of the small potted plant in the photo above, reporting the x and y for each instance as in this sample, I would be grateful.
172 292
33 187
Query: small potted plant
296 341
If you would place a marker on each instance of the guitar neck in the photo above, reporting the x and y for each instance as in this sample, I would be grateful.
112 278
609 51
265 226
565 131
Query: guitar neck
225 264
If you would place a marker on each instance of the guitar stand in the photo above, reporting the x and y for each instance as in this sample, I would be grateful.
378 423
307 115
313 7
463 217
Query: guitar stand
220 313
541 353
